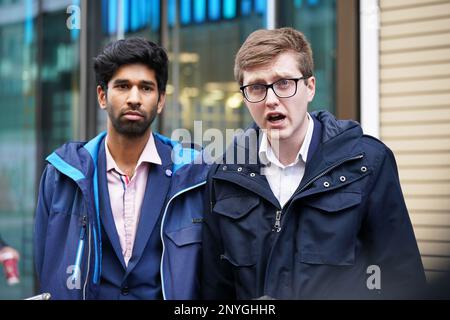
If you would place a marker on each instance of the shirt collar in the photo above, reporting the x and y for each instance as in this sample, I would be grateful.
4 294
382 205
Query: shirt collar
267 155
149 154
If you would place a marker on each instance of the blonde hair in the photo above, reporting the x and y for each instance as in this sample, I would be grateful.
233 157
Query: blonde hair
262 46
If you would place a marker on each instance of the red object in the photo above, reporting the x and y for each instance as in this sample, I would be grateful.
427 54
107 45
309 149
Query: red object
10 267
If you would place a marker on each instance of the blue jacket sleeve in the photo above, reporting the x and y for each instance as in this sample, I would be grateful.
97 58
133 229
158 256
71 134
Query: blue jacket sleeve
46 189
390 235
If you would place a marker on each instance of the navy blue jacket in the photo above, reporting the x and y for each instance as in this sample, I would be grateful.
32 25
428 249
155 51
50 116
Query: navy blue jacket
345 233
71 218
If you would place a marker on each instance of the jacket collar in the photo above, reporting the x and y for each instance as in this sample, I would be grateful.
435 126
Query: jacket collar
78 160
332 141
329 135
338 140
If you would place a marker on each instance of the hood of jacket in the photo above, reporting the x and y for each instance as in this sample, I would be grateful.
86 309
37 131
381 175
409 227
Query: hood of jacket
78 160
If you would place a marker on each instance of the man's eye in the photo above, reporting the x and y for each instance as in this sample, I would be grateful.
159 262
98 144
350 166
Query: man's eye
283 83
147 89
256 88
122 86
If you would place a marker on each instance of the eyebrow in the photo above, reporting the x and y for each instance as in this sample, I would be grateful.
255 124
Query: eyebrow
256 81
278 76
142 82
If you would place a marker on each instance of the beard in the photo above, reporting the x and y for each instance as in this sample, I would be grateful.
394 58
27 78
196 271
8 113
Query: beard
132 129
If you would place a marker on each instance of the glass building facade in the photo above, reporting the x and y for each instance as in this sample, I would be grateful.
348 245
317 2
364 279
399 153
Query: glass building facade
47 91
39 93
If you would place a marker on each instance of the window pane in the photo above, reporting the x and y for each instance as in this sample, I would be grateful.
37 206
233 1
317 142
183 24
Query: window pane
17 139
37 61
317 20
201 80
59 80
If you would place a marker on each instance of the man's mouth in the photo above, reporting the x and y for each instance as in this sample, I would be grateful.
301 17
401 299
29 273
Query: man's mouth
133 115
275 117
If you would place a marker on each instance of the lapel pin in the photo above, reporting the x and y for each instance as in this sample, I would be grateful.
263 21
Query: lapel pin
168 172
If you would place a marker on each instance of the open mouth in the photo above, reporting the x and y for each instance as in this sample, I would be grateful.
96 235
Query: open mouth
276 117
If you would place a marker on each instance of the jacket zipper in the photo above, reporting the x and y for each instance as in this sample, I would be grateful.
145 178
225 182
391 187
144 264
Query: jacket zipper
279 213
88 263
80 249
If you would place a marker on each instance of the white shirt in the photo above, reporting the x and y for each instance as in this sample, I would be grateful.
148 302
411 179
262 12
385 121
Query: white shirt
284 180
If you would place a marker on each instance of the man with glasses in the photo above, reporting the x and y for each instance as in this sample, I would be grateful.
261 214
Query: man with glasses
320 213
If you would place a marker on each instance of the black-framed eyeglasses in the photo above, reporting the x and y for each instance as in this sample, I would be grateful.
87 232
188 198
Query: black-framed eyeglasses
283 88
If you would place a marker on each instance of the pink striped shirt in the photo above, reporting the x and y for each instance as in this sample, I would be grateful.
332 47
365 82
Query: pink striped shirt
126 195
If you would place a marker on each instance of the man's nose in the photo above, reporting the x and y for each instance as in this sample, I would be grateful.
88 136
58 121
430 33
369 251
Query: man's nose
272 99
134 96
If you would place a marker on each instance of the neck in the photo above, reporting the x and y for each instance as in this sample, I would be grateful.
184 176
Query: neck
125 150
286 152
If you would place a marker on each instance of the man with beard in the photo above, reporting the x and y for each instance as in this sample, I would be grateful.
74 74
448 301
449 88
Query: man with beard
119 217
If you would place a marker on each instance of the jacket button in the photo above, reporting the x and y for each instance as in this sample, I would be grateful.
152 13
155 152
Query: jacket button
252 175
326 184
125 291
342 178
224 168
363 169
239 169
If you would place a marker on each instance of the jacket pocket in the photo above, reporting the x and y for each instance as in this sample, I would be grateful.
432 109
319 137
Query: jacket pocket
186 236
238 228
335 201
236 207
338 258
247 261
328 226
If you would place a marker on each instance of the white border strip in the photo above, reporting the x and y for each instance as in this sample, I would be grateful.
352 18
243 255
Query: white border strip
270 15
370 66
120 20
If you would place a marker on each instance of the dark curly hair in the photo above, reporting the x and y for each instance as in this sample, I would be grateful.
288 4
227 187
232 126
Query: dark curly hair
131 51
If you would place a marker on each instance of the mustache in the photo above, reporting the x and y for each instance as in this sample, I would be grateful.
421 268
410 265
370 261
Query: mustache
132 111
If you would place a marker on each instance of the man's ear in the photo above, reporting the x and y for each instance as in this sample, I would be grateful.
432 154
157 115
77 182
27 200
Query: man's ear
311 88
161 102
101 97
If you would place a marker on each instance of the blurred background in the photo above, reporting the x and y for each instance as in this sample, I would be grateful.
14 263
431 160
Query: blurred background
383 63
